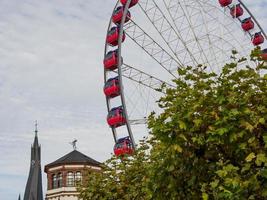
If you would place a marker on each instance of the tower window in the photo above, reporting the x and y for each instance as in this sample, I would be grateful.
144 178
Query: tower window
70 179
78 177
60 180
54 181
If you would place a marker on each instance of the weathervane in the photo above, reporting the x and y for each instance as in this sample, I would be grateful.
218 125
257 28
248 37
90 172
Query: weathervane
73 143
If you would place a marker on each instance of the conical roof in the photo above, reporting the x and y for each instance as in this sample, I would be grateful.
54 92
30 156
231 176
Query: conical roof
74 157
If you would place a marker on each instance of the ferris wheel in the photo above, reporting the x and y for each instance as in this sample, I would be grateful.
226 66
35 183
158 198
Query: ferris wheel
148 40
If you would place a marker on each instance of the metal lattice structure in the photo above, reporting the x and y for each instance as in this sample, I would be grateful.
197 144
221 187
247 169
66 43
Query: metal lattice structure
162 36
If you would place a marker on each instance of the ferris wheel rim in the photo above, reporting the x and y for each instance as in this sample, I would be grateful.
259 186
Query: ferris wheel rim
114 132
254 18
125 11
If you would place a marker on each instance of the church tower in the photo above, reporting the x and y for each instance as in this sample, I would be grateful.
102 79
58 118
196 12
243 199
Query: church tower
34 190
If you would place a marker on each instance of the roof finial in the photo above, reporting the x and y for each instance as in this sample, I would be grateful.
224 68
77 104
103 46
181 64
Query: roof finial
73 143
36 126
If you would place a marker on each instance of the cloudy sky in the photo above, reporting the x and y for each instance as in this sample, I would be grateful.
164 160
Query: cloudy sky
51 70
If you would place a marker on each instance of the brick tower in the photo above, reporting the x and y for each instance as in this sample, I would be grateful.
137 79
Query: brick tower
64 173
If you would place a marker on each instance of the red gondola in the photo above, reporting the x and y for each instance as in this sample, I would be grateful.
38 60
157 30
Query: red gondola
133 2
113 36
225 3
112 88
111 60
116 117
123 147
237 11
247 24
264 54
117 15
257 39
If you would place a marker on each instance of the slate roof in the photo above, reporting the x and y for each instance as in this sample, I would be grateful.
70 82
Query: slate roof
74 157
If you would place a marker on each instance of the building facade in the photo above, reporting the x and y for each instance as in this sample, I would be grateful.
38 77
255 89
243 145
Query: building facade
64 174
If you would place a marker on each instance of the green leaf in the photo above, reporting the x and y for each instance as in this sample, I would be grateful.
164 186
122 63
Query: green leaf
182 125
246 167
261 158
197 122
234 52
251 140
171 168
214 183
264 173
265 140
250 157
221 173
205 196
177 148
262 121
248 126
181 71
242 146
222 131
183 137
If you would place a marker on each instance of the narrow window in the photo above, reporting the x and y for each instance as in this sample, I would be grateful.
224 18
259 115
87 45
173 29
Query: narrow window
60 180
70 179
54 181
78 177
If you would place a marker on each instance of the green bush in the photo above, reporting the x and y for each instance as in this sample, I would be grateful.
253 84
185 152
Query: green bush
208 143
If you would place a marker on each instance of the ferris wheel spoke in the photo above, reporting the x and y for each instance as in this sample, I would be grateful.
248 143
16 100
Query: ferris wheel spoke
142 78
152 48
211 48
210 25
142 104
164 27
134 103
174 7
243 46
138 121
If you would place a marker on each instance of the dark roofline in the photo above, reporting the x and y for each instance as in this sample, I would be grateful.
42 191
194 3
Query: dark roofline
74 163
67 160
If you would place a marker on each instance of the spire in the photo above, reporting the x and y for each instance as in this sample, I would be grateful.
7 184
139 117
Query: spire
19 197
36 127
35 143
34 190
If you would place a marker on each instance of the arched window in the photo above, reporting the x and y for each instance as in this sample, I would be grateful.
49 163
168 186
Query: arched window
54 181
78 177
60 179
70 179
